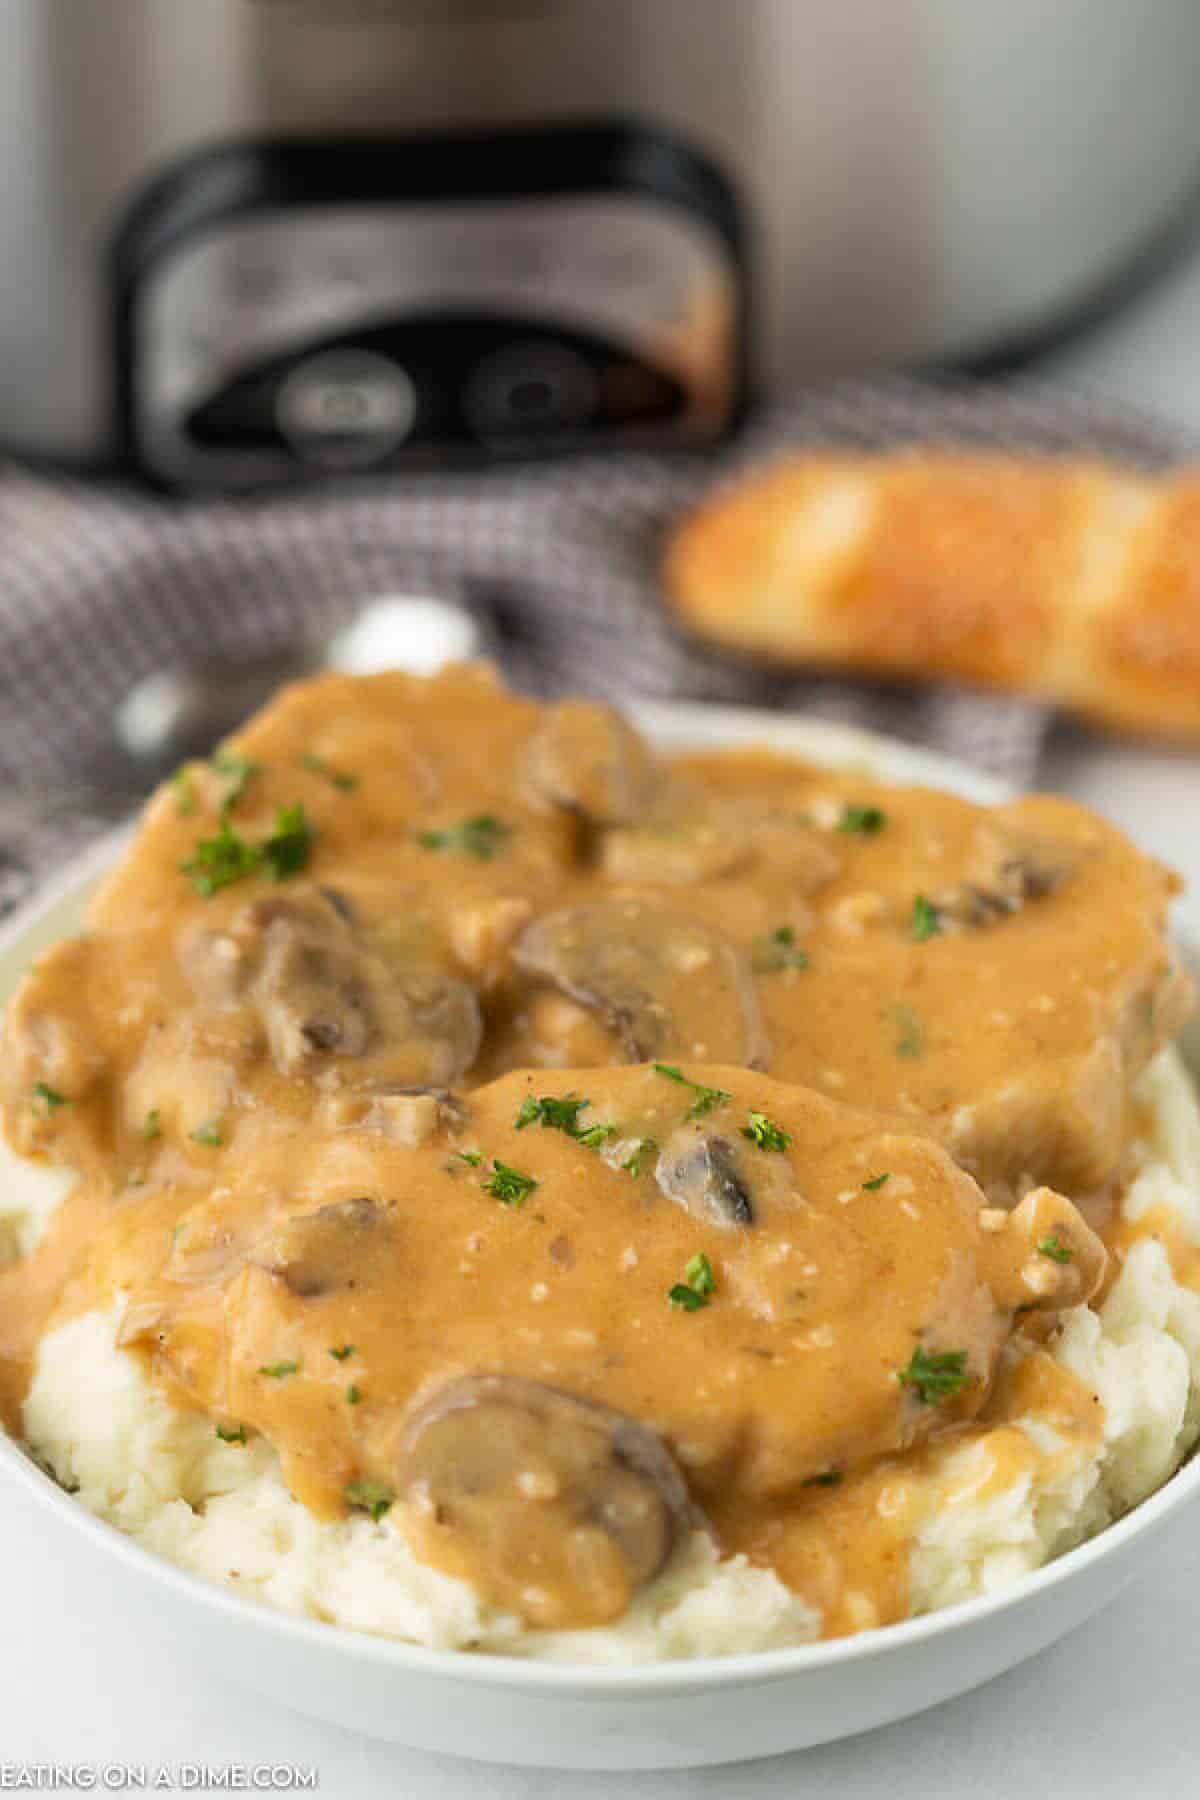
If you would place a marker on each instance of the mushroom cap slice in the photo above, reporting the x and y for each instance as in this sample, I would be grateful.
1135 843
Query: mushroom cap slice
552 1506
319 1252
666 984
698 1169
323 988
586 759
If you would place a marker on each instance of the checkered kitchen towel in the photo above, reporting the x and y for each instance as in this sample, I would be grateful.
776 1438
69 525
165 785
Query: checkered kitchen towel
99 586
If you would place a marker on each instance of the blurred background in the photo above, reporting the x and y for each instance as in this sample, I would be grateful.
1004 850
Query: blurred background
257 240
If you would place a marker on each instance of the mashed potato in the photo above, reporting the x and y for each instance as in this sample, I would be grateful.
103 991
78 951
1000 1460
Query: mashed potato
980 1516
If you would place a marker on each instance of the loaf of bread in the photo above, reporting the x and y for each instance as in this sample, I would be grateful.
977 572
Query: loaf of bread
1069 580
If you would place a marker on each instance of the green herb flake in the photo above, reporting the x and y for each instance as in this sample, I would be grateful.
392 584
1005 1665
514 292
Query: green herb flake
277 1371
472 1158
876 1182
353 1395
373 1497
864 821
152 1125
926 919
936 1375
826 1479
238 771
286 851
697 1287
185 791
47 1099
633 1162
910 1033
1056 1250
765 1133
217 862
706 1098
234 1435
508 1185
480 837
209 1134
338 778
562 1114
699 1275
778 950
340 1352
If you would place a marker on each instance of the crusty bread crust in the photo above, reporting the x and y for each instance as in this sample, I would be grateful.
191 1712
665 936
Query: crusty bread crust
1069 580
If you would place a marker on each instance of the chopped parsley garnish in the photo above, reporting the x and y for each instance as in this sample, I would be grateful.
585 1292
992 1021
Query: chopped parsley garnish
185 792
509 1186
876 1182
287 849
480 836
778 950
47 1099
936 1375
217 862
699 1275
706 1098
340 1352
353 1395
1056 1250
765 1133
865 820
926 919
555 1114
827 1478
235 1436
338 778
238 771
209 1133
698 1285
152 1125
910 1033
472 1158
633 1162
278 1370
373 1497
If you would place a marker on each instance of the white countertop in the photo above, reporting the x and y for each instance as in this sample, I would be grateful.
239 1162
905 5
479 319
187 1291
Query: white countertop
1112 1711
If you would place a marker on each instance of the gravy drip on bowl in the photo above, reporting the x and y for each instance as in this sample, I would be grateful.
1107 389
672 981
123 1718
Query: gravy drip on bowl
476 1105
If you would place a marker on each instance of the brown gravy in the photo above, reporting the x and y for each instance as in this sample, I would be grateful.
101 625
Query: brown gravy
469 1101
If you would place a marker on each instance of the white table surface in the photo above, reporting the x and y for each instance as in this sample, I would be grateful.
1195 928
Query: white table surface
1113 1711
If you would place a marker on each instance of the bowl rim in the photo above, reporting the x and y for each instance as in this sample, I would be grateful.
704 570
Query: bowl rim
838 746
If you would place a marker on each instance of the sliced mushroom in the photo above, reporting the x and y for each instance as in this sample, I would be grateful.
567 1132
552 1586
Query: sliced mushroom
699 1171
1007 874
321 1251
554 1507
666 984
587 759
321 990
311 988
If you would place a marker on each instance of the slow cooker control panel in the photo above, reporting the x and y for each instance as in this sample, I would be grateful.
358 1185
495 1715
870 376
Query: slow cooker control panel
297 333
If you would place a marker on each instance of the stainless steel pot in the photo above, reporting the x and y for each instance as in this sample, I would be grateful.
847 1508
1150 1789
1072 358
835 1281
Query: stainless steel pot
348 259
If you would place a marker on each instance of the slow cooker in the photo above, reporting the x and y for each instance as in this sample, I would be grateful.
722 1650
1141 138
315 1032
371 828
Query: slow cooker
245 241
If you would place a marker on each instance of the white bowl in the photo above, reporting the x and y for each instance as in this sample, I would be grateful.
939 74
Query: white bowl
664 1715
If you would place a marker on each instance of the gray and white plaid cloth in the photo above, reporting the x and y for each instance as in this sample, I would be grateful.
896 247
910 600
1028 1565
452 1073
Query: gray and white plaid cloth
101 586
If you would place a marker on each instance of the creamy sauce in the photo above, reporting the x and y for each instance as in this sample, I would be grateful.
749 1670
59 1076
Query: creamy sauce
356 1061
